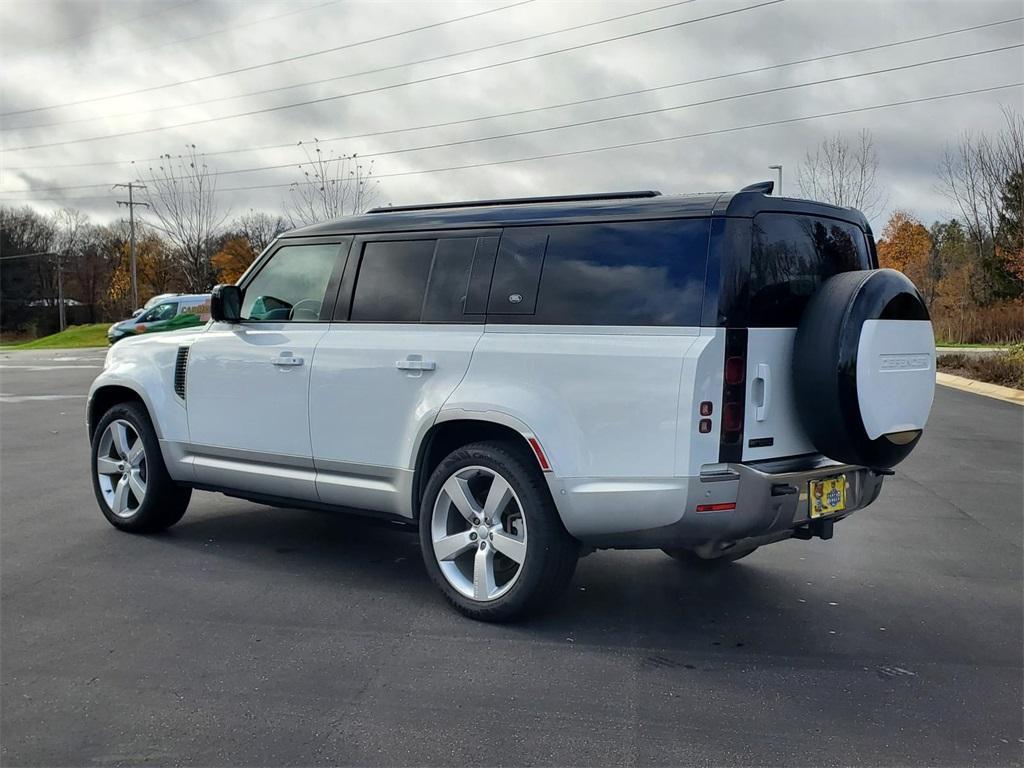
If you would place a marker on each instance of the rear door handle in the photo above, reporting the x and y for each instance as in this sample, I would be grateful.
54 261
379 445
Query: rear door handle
286 359
762 381
415 365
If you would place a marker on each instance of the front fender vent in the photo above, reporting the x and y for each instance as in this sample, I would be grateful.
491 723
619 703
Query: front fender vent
180 366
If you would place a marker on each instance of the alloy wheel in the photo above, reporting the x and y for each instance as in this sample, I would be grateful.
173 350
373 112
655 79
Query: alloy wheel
478 530
121 468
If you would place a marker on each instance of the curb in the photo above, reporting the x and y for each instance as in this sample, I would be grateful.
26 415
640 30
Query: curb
1006 394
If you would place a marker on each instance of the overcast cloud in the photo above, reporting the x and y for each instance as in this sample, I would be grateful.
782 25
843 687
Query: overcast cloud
57 52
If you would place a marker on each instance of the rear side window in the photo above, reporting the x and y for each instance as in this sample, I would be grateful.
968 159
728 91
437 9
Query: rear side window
392 281
411 281
791 256
630 273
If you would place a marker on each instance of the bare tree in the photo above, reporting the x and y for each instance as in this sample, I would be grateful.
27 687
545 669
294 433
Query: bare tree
975 176
181 192
67 226
259 228
332 186
844 173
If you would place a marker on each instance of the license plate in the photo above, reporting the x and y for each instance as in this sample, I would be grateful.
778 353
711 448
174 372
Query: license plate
827 495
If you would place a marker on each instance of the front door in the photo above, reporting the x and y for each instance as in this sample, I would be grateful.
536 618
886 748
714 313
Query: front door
248 382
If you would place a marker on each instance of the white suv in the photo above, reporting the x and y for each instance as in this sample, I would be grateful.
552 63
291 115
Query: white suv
528 380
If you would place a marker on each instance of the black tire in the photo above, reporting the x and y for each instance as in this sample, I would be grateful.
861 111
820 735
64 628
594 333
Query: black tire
551 553
164 501
692 559
825 363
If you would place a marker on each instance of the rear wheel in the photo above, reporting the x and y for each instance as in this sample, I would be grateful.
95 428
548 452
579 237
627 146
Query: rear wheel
129 478
691 558
490 534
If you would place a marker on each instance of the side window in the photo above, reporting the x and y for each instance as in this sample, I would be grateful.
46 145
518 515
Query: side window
791 256
392 281
449 280
412 281
635 273
630 273
160 312
292 285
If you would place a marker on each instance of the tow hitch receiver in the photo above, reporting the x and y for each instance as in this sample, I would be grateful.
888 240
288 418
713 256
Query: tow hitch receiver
822 528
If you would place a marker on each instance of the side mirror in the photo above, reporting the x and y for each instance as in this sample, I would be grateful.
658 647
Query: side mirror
226 303
138 312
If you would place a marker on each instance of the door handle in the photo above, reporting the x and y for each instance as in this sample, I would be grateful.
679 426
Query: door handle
762 391
286 359
412 364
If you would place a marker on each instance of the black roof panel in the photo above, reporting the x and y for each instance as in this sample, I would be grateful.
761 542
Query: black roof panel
484 214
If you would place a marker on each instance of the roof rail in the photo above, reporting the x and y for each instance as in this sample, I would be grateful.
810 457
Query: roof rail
520 201
765 187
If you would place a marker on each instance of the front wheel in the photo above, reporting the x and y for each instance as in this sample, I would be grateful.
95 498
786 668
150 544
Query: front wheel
132 486
491 537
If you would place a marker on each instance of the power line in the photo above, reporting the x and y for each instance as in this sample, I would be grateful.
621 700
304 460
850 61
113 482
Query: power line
529 110
611 118
286 60
233 27
375 71
28 255
627 145
392 86
93 30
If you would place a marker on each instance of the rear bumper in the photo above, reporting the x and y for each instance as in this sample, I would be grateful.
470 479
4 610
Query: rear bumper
770 497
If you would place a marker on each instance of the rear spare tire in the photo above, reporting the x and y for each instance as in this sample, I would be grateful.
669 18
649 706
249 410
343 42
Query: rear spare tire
864 367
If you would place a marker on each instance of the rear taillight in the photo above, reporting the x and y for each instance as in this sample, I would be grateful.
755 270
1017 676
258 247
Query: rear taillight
732 417
733 395
735 369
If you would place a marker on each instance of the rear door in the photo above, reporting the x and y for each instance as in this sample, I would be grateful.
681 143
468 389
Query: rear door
411 311
791 256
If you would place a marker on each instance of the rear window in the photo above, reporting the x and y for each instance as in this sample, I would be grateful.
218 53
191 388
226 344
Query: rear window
791 256
632 273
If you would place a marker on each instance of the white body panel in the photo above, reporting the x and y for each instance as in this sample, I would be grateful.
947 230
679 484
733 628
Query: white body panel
248 392
613 409
895 375
375 391
601 401
771 411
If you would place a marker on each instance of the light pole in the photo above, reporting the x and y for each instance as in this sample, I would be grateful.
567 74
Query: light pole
779 169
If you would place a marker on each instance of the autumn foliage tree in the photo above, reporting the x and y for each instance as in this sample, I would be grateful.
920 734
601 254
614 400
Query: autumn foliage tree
906 245
233 259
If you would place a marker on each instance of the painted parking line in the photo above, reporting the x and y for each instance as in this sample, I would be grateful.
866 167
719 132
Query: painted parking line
5 398
4 367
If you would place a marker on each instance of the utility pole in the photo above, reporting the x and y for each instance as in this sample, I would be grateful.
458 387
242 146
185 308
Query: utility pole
130 203
60 291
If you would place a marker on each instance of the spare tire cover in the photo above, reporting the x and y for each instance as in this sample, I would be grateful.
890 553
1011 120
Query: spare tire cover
864 367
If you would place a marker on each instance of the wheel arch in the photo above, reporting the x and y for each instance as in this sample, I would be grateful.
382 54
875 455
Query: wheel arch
106 397
454 429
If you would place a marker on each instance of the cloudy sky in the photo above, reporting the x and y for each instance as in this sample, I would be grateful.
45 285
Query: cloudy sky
93 91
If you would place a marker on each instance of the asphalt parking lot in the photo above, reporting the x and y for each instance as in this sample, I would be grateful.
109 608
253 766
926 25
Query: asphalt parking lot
255 636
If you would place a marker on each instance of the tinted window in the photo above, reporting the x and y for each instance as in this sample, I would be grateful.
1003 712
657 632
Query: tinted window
291 286
633 273
791 256
517 271
449 280
392 281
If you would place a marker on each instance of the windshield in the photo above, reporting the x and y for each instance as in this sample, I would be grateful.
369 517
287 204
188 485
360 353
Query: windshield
160 312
